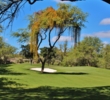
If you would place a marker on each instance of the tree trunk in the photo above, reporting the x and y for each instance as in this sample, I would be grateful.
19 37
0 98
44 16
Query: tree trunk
43 65
88 63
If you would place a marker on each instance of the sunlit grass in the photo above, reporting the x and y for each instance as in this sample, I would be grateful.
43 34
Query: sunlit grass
65 76
69 83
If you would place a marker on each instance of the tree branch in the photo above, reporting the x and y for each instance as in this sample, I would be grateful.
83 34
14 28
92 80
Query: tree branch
49 39
9 10
59 35
42 38
32 2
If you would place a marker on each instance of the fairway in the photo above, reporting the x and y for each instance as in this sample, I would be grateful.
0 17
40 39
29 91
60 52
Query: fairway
68 83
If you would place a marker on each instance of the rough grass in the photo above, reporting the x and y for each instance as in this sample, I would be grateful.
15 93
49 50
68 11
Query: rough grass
69 83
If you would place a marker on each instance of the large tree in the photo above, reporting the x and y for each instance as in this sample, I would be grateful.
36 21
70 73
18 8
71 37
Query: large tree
48 20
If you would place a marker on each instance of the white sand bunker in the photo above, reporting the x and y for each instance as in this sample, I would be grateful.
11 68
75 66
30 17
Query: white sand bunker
48 70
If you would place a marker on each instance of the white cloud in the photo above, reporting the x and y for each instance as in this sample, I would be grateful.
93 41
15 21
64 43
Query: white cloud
6 39
101 34
62 38
59 1
105 43
105 21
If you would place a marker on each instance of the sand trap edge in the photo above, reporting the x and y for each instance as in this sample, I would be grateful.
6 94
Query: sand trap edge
48 70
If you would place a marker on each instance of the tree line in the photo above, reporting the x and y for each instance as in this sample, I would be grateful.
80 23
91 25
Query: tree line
89 52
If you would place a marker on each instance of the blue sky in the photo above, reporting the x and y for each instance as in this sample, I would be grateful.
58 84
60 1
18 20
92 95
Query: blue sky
98 21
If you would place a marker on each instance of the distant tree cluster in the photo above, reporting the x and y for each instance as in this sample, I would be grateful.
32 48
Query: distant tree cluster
6 51
90 52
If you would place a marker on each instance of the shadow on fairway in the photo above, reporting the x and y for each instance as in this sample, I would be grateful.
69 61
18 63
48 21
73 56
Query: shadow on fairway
67 73
51 93
5 71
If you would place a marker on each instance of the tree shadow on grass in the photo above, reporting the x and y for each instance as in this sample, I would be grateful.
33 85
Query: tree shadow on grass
67 73
5 71
50 93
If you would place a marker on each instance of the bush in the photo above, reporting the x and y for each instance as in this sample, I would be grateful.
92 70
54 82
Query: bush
26 60
57 62
20 61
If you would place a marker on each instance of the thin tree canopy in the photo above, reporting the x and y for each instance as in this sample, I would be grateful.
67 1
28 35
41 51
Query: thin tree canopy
49 19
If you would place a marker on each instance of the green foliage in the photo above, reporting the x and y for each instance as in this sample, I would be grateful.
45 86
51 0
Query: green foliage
74 21
106 56
90 52
45 53
1 29
64 47
6 50
22 35
49 19
95 42
86 53
1 42
26 51
19 61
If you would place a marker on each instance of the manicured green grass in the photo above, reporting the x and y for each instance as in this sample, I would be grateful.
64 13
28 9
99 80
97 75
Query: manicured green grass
17 82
